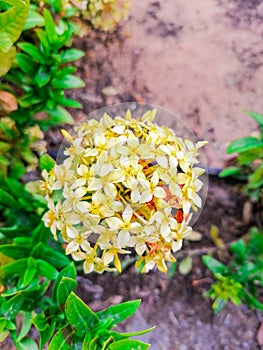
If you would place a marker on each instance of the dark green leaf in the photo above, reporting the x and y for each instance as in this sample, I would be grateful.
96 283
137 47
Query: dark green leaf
59 116
31 50
8 200
42 77
42 36
55 258
14 231
46 334
118 313
15 268
231 171
46 162
128 345
68 82
214 265
15 251
50 27
119 336
258 117
61 340
12 306
65 287
68 271
79 315
244 144
46 270
239 249
71 55
252 302
68 102
26 64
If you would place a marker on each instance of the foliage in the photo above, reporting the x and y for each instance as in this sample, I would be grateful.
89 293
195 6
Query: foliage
242 279
249 166
12 22
128 182
41 74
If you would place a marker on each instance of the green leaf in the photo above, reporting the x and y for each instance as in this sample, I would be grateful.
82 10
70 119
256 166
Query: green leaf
50 27
42 76
231 171
11 307
26 64
68 102
13 20
42 36
59 116
65 287
31 50
15 251
3 323
119 336
128 345
239 249
5 43
14 231
50 255
214 265
7 200
46 270
68 81
71 55
186 266
34 19
26 344
258 117
26 324
15 268
79 315
46 334
244 144
118 313
70 272
30 272
252 302
46 162
61 339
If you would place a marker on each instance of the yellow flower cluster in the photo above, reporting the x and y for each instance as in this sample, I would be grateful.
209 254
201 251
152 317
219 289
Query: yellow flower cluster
125 184
106 14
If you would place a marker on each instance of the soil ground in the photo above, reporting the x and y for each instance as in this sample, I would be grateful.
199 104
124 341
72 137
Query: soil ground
203 61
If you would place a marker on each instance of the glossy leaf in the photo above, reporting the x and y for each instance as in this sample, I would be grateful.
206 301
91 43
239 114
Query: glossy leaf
128 345
70 272
50 27
12 306
42 76
59 116
31 50
231 171
26 324
214 265
8 200
26 64
34 19
13 20
71 55
120 312
258 117
46 270
65 287
53 257
46 162
79 315
68 82
14 251
244 144
26 344
239 249
60 341
30 272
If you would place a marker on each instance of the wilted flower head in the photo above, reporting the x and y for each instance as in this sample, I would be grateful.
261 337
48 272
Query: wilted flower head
125 184
105 14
